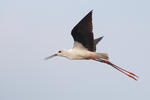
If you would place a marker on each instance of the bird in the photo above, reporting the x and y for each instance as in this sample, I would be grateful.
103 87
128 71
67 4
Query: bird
84 47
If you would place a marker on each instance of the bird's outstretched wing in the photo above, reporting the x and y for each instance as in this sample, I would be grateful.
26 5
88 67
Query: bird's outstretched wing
82 32
96 41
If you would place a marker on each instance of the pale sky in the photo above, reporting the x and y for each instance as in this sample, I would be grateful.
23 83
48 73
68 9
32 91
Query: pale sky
31 30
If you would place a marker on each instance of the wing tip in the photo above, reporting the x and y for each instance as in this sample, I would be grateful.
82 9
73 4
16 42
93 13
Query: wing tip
91 11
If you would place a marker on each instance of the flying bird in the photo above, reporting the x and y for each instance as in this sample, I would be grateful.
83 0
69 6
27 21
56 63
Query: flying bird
85 46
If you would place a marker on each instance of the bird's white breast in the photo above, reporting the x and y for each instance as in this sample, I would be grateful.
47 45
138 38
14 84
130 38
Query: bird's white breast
78 54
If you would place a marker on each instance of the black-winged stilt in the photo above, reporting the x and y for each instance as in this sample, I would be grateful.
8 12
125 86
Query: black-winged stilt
85 46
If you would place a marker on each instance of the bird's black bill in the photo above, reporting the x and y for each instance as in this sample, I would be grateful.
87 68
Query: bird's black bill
49 57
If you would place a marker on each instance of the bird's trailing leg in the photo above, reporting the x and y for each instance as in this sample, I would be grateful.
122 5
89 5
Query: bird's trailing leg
130 74
93 57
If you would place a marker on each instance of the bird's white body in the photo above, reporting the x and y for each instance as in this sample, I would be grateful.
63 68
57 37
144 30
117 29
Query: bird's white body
78 54
81 54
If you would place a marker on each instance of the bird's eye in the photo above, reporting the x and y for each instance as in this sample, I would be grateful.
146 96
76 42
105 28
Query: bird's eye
59 51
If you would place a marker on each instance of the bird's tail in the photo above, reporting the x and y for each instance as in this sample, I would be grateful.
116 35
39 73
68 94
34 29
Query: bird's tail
102 56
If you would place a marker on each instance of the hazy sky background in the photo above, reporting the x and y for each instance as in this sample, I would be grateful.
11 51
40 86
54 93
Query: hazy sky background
31 30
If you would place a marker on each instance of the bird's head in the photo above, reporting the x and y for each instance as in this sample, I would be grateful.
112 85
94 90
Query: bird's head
61 52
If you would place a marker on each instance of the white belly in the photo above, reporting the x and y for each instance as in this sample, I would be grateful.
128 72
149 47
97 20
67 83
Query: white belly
77 54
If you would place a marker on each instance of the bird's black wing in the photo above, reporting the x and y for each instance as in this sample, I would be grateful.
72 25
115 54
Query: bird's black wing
82 32
96 41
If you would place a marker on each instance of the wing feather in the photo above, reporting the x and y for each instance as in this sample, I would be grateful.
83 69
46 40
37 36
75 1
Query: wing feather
82 32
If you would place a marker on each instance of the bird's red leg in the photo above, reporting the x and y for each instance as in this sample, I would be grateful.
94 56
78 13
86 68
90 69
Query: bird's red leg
93 57
130 74
127 71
